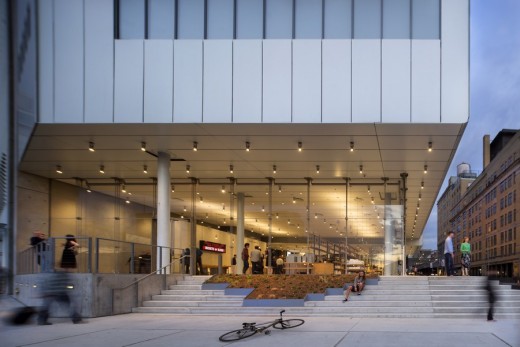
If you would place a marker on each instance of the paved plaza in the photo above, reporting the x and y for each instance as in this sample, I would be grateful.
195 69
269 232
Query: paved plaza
199 331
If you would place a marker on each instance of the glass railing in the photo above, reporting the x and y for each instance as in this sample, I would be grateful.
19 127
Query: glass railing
99 255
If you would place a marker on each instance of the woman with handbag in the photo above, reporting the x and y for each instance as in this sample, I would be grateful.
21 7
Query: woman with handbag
68 257
465 260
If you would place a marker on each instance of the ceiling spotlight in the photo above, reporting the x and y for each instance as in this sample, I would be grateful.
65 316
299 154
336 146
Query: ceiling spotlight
315 216
263 209
101 169
368 189
195 146
277 216
231 169
145 169
420 196
127 201
173 188
300 146
248 146
143 146
223 189
58 169
352 146
288 221
361 169
317 169
294 200
422 185
274 169
372 200
88 188
207 216
184 209
91 146
188 167
430 146
123 188
279 189
201 199
425 169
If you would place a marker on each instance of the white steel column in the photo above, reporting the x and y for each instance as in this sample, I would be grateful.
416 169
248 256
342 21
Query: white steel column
240 231
163 210
389 244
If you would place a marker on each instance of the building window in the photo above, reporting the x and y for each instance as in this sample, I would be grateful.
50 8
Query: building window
249 19
367 19
396 19
161 19
131 19
337 17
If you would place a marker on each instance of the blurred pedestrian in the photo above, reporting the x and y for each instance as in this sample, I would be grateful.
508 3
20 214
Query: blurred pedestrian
448 253
39 244
70 249
279 265
58 288
199 268
256 260
186 260
491 299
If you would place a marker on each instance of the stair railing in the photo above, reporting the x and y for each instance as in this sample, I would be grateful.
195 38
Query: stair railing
132 294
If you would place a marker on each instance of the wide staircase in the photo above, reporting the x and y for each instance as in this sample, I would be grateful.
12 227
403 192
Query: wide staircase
412 297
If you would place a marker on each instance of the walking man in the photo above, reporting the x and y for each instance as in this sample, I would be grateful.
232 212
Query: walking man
448 254
245 258
256 260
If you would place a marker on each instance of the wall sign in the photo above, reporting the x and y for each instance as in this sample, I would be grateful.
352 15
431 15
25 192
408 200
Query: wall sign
212 246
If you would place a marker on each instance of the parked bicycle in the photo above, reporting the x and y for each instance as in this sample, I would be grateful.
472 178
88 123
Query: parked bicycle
249 329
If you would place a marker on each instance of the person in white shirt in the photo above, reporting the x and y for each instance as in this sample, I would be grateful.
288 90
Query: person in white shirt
448 254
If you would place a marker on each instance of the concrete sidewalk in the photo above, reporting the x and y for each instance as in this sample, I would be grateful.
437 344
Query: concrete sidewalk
200 331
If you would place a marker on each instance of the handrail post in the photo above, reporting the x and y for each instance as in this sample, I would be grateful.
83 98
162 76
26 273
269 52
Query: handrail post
89 259
132 257
97 255
160 260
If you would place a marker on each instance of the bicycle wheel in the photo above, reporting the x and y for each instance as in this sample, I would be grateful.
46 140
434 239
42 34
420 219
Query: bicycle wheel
288 323
237 335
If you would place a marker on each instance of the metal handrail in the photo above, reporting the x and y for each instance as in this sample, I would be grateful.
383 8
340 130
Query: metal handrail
152 273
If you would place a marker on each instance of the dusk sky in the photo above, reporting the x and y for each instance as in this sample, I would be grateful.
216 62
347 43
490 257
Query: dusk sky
495 86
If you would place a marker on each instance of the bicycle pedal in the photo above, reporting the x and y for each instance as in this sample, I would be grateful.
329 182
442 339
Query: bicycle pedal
267 332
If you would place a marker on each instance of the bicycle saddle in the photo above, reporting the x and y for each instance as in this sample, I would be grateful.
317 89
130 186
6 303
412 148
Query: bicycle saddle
248 324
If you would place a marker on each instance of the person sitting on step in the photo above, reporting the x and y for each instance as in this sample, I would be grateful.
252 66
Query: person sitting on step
359 284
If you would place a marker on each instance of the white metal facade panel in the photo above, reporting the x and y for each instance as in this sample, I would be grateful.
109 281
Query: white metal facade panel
336 80
99 61
366 81
158 81
45 62
306 92
395 81
247 81
68 78
128 98
455 61
218 81
426 82
187 81
277 71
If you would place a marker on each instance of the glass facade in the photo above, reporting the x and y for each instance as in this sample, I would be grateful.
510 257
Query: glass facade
278 19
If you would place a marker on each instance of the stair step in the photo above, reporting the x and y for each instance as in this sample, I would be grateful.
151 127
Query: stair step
192 292
186 286
229 303
367 303
375 297
197 297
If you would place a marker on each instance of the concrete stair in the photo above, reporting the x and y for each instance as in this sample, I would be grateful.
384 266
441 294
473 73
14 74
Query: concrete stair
187 296
411 297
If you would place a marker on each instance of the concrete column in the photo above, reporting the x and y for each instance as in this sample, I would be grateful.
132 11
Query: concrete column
240 231
389 244
193 228
163 209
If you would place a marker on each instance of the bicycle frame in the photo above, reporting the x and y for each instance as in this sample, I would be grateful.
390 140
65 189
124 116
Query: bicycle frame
260 327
